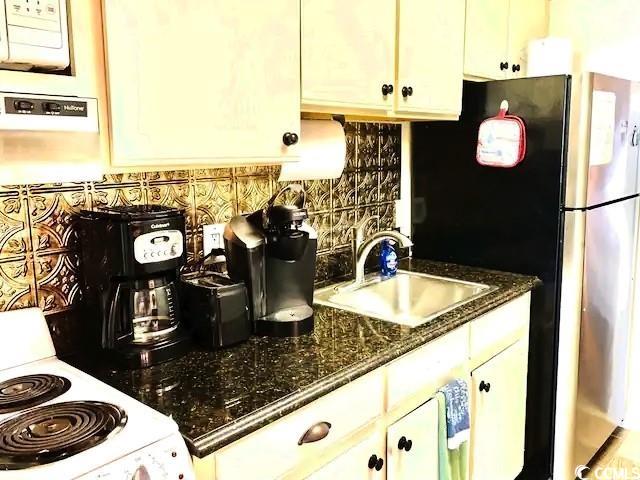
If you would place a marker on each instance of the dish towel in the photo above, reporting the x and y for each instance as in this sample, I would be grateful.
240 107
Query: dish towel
456 394
453 431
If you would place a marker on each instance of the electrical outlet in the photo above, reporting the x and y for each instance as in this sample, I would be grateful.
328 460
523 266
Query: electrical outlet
212 237
403 217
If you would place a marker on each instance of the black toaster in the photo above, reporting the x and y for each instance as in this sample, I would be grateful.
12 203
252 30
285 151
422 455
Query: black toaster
215 308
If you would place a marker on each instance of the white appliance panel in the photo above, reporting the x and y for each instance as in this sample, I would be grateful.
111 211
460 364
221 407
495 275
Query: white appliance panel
37 33
18 348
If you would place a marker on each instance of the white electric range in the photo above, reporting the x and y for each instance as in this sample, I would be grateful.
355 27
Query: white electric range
57 422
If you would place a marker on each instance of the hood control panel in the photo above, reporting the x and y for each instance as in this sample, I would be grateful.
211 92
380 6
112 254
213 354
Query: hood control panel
28 112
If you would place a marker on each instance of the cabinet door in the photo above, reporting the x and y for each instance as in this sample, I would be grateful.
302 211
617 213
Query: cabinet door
432 73
498 403
419 458
486 34
527 21
348 54
364 461
196 82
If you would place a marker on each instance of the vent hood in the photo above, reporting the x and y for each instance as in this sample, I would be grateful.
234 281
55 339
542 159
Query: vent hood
48 139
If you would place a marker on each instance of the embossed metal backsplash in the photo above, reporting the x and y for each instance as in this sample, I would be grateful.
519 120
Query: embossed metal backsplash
39 261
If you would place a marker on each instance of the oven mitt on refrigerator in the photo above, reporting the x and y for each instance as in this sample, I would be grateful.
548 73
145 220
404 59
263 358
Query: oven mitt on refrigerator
502 140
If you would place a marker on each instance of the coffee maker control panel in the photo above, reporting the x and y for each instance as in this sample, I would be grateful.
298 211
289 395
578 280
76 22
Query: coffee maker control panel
159 246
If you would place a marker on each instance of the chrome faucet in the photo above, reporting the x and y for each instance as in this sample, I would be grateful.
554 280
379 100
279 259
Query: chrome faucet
361 247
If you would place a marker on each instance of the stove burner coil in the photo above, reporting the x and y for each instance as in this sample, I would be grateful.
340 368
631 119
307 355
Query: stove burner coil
53 432
31 390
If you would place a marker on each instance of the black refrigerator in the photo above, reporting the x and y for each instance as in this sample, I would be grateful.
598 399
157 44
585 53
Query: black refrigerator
567 214
509 219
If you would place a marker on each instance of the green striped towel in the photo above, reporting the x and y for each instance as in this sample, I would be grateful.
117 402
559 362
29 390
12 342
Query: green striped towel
452 464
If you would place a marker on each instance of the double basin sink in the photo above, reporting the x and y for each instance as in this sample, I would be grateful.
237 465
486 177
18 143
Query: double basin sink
408 298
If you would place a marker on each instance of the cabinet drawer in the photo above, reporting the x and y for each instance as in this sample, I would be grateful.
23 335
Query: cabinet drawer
273 450
499 329
427 367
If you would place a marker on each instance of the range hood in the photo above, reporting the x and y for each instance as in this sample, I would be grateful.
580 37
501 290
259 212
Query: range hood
48 139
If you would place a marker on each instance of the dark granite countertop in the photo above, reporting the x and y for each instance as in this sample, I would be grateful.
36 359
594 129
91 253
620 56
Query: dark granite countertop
218 397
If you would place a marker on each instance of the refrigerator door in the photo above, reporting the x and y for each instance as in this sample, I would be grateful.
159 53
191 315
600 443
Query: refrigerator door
613 141
606 311
508 219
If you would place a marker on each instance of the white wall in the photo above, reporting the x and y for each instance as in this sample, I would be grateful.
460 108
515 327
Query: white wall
605 34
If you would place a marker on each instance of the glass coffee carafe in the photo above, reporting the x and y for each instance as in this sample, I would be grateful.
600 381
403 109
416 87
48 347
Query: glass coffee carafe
154 313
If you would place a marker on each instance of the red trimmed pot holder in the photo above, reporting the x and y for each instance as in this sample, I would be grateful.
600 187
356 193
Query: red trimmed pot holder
502 140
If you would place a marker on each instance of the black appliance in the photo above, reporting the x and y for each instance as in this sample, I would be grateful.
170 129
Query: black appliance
216 309
509 219
131 256
273 251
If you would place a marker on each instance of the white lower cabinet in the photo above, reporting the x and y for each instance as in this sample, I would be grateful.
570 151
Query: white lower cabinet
379 427
364 461
412 445
498 405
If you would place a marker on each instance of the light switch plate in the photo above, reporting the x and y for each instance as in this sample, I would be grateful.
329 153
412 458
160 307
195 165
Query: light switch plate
212 237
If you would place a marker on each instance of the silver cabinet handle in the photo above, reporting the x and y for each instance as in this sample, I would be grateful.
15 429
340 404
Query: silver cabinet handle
315 433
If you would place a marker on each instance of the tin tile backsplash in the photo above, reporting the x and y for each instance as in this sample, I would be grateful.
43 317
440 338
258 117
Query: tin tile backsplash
39 261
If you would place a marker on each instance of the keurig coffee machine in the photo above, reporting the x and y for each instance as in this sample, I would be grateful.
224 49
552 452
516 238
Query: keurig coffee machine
273 251
131 256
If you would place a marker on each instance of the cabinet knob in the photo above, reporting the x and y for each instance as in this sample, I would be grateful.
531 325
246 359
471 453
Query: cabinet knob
375 462
405 444
515 68
485 386
504 65
387 89
290 138
407 91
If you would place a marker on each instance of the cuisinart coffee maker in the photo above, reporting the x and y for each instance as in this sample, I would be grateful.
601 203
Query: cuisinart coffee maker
273 251
131 256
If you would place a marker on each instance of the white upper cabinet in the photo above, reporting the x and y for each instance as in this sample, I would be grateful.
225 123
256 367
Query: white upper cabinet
486 36
197 82
348 54
430 56
497 33
349 62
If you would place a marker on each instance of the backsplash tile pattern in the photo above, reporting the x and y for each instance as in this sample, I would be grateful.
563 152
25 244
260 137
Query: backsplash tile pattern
39 257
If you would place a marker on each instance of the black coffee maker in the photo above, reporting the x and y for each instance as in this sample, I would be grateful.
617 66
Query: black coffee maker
131 257
273 251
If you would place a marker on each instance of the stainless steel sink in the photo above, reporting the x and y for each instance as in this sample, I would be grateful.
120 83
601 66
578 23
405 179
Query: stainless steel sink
408 298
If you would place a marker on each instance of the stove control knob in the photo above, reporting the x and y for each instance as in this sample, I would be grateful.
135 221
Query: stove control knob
141 473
